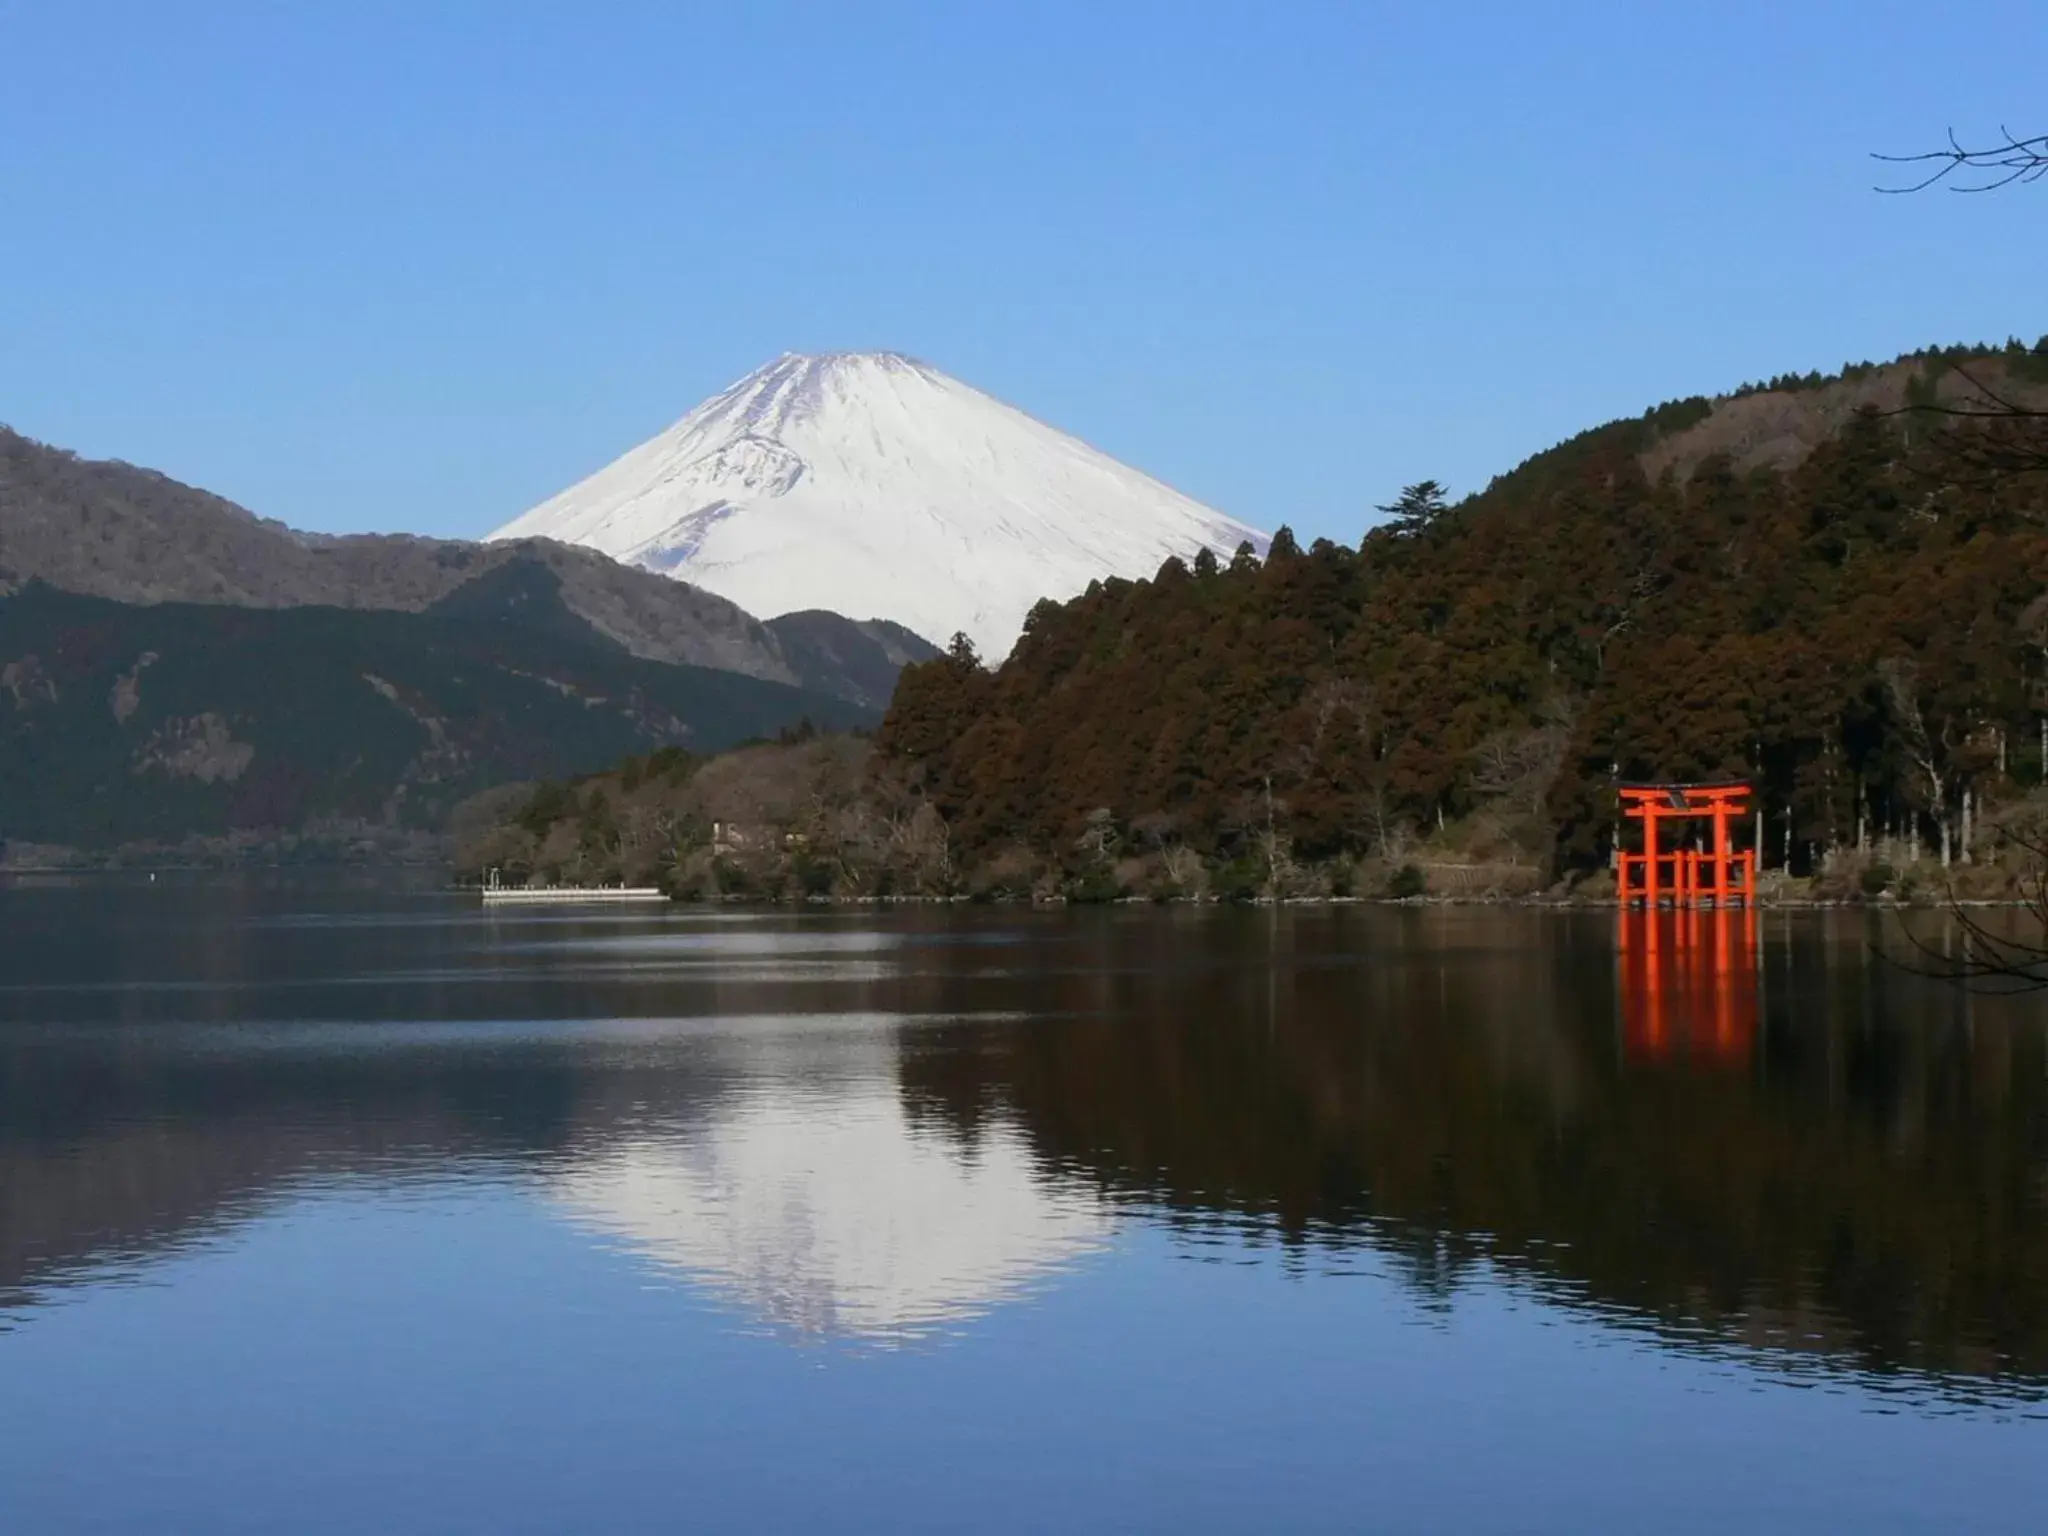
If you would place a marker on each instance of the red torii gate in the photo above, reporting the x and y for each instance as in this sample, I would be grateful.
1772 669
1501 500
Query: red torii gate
1720 874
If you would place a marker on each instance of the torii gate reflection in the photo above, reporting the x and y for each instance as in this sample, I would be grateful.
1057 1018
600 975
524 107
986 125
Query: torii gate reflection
1689 982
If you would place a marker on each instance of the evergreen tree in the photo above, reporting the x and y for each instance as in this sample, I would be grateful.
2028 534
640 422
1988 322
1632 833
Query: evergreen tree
1417 507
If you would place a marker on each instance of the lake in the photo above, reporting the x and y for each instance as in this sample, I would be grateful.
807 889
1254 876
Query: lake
352 1207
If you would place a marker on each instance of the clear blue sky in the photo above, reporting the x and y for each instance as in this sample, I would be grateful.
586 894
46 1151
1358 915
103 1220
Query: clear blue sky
366 265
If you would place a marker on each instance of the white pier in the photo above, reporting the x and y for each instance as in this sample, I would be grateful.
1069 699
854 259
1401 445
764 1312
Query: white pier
562 895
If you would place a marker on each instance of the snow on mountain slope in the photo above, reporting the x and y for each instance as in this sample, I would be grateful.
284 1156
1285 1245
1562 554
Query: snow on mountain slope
876 486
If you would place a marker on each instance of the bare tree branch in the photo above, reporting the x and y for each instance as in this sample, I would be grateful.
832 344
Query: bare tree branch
1990 406
1992 961
2019 451
1990 167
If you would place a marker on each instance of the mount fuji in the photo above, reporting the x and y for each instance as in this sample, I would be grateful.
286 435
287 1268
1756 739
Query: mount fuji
874 485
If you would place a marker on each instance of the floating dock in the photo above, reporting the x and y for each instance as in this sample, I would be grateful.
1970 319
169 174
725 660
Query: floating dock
566 895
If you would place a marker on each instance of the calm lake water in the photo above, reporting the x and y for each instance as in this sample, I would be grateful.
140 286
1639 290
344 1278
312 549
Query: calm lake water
331 1209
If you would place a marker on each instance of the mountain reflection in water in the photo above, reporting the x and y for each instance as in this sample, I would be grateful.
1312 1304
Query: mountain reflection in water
877 1126
807 1198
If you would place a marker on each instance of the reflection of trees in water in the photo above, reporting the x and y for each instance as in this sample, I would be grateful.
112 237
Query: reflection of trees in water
110 1157
1868 1184
1867 1181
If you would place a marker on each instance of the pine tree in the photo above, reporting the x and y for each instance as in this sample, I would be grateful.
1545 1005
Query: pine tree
1417 507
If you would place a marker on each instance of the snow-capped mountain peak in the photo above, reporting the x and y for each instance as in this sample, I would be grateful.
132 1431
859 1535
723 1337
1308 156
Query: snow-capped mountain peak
874 485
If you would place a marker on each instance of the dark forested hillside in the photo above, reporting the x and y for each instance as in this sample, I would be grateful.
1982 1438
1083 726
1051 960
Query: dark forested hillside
125 722
1815 588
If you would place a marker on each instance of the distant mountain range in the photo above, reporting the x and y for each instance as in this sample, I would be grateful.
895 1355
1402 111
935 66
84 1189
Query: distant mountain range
818 487
172 666
874 483
112 530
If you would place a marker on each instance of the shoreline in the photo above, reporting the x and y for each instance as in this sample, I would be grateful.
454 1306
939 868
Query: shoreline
1549 903
424 868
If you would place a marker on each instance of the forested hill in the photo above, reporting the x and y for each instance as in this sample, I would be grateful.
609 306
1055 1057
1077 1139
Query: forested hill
125 723
1809 585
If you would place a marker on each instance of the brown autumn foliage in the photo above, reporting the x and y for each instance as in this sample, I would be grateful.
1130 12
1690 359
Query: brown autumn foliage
1856 630
1853 622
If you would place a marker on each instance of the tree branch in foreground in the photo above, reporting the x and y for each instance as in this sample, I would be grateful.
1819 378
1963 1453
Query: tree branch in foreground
1985 169
1991 961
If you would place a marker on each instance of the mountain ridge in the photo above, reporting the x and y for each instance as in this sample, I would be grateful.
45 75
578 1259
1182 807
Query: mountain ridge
109 529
